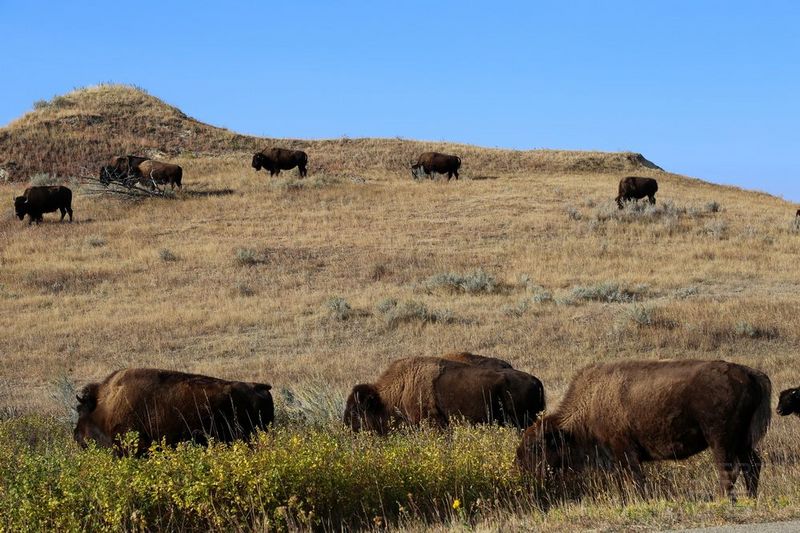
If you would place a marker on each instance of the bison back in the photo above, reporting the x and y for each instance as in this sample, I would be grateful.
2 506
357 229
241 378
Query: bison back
47 199
668 408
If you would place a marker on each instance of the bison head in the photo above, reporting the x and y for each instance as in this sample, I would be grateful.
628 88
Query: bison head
365 410
87 403
21 206
789 402
547 450
259 160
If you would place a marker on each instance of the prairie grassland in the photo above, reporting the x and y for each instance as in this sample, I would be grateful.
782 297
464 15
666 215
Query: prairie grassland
315 285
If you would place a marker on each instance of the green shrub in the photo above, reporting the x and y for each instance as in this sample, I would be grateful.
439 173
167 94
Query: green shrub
477 281
167 255
606 292
395 313
289 477
96 242
746 329
247 257
42 179
573 213
640 315
339 308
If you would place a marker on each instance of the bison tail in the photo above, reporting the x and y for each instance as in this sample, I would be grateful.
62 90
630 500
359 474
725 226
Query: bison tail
763 413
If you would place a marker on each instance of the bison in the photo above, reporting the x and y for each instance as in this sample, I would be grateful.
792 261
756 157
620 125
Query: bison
432 389
789 402
633 187
152 172
168 405
38 200
436 162
124 168
625 413
277 159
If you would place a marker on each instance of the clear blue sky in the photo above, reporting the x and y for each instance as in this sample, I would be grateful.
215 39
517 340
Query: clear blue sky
706 88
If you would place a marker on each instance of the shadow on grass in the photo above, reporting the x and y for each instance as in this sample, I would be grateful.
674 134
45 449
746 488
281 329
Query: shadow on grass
209 192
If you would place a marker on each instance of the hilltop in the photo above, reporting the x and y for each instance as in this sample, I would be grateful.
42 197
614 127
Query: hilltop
75 133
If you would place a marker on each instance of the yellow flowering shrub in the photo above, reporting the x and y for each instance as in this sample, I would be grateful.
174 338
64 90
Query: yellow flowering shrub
286 477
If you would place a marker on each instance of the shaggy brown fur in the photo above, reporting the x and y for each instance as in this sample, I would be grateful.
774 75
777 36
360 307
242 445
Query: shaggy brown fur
631 188
436 162
38 200
433 389
150 171
176 407
477 360
122 168
277 159
622 414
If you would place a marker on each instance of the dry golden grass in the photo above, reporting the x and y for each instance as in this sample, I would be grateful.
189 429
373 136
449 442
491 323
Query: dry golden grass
238 285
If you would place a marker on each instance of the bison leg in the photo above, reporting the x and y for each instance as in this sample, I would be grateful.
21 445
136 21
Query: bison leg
302 170
63 214
69 212
619 202
628 467
652 199
728 469
456 173
751 471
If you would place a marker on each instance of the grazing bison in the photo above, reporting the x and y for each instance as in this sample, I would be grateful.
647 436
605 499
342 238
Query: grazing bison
789 402
124 168
432 389
632 187
277 159
38 200
436 162
152 172
623 414
176 407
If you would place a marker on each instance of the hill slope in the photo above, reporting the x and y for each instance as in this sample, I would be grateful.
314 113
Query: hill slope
75 133
314 285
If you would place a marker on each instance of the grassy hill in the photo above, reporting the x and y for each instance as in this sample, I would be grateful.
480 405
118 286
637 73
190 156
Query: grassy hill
314 285
74 134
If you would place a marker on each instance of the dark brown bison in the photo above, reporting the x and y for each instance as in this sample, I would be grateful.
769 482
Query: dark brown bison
432 389
622 414
277 159
436 162
176 407
798 213
634 188
789 402
151 172
124 169
38 200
